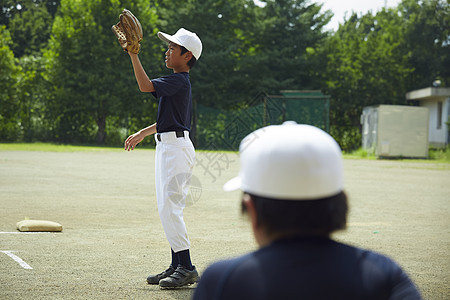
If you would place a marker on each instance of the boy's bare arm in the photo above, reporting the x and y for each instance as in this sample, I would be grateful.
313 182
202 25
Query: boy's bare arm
136 138
145 84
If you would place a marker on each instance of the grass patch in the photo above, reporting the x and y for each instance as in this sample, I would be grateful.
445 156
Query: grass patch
441 155
48 147
360 154
435 155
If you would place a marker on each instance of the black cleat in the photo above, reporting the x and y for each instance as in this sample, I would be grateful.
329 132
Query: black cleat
154 279
180 278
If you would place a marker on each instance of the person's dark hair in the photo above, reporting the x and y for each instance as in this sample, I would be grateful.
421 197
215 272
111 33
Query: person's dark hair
191 63
302 217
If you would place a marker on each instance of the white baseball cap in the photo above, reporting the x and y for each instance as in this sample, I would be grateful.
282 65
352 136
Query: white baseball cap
289 162
185 38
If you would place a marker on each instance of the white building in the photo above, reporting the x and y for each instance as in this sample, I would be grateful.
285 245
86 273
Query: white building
395 130
437 100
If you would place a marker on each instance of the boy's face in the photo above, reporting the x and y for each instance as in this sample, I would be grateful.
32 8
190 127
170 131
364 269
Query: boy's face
174 59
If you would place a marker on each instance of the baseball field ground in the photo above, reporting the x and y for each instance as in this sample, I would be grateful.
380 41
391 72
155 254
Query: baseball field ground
112 237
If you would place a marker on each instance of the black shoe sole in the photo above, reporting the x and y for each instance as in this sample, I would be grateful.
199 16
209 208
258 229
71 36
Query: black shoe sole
187 285
160 277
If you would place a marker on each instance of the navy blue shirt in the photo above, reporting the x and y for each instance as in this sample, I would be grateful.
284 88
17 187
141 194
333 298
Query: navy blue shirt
175 102
306 268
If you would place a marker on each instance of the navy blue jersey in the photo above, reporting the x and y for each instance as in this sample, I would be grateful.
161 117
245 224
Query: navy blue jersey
306 268
175 102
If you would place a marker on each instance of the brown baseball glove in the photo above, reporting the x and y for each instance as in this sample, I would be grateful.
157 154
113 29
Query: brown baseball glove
128 32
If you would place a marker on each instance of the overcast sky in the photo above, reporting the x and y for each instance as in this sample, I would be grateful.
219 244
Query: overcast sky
340 7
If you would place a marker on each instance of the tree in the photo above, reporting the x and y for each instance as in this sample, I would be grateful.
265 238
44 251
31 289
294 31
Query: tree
247 49
426 26
377 59
9 102
366 65
11 8
290 29
221 78
30 30
227 30
91 76
32 92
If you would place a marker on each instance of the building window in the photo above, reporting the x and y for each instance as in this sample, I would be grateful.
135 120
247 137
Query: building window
439 115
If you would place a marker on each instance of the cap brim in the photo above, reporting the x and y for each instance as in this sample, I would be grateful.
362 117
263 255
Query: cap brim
233 184
167 38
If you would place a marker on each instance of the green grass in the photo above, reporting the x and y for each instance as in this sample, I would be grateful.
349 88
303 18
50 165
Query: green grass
360 154
48 147
442 155
435 155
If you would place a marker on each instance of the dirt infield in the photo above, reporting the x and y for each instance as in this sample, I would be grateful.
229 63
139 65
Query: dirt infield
112 237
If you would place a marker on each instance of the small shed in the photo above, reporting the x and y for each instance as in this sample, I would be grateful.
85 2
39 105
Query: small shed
395 130
437 100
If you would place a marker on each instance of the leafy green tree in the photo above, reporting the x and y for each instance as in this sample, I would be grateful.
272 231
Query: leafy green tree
426 26
221 78
227 30
290 29
92 78
9 100
377 59
33 91
11 8
366 65
29 24
30 30
247 49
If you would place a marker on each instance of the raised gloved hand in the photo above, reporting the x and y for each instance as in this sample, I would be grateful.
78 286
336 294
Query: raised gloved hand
128 32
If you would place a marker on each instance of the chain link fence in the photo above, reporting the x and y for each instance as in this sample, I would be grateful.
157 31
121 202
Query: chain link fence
216 129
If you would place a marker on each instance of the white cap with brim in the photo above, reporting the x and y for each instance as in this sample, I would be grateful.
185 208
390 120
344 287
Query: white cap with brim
185 38
289 162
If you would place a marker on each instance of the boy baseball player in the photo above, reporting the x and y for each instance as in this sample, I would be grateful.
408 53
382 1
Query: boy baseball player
175 154
292 184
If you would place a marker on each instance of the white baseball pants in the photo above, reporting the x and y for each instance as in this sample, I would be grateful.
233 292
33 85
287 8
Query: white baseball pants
174 162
